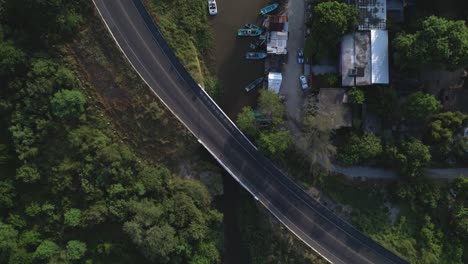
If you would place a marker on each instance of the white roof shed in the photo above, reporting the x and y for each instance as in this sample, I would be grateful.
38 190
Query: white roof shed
274 81
379 54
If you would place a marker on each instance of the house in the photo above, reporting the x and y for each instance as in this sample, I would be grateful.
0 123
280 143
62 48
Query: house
364 58
274 81
277 42
372 13
333 103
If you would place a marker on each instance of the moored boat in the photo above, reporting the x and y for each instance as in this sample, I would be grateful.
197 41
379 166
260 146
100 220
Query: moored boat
251 26
268 9
212 7
255 55
249 32
254 84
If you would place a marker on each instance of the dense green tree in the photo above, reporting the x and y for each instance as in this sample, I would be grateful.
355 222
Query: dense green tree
445 125
28 173
46 250
20 256
356 96
246 121
275 143
75 249
10 58
8 237
7 194
440 42
271 106
30 238
331 20
68 103
420 106
413 156
72 217
358 149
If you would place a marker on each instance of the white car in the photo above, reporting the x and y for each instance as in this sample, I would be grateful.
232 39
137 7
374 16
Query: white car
212 7
303 82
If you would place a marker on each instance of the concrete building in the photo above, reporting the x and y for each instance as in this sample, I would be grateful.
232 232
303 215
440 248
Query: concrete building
364 58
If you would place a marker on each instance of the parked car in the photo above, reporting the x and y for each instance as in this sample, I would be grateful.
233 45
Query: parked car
303 81
300 55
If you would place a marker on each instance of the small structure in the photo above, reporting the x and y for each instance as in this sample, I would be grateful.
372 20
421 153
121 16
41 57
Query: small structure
276 23
277 42
333 102
364 58
372 13
274 81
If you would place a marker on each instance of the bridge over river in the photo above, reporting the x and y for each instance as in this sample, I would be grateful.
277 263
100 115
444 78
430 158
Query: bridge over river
147 51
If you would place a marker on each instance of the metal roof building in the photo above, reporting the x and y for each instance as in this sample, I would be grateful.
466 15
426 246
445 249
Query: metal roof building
364 58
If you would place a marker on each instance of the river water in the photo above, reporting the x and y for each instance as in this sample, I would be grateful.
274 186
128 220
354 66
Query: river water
235 73
232 69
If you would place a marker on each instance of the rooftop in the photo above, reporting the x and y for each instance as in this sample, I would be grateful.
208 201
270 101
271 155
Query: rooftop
372 13
277 42
364 58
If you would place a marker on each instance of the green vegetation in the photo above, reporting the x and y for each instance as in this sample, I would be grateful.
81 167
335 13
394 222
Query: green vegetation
185 26
329 22
439 42
76 193
246 121
420 106
267 241
358 149
317 138
356 96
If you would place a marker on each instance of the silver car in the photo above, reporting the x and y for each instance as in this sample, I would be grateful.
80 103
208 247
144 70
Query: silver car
303 81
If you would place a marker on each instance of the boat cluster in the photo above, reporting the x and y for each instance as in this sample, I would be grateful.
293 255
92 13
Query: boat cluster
253 30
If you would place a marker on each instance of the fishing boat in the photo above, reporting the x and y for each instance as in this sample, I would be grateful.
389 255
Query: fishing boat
249 32
212 7
268 9
253 84
251 26
255 55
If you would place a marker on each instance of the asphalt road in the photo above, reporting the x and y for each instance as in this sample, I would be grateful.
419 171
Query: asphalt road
155 62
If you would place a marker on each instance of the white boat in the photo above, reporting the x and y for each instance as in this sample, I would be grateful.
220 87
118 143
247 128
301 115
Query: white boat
212 7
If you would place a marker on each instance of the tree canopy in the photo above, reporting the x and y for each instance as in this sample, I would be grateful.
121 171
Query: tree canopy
420 106
331 20
358 149
439 42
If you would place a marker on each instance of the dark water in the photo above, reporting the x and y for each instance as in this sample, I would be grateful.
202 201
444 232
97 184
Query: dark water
235 73
232 69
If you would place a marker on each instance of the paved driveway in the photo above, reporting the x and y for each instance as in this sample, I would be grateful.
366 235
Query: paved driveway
291 71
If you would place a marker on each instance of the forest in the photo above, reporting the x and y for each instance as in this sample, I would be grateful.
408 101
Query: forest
71 191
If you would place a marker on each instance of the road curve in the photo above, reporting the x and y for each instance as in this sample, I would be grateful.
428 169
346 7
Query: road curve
145 48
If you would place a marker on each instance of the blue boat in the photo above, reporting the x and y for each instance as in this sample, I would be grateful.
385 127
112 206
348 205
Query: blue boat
255 55
268 9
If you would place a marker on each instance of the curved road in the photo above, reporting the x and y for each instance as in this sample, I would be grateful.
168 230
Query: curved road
148 52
